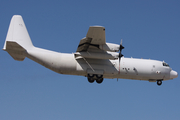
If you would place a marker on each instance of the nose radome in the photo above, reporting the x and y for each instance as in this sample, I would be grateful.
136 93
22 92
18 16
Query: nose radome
173 74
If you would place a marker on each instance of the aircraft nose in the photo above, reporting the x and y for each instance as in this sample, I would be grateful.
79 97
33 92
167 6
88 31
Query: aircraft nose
173 74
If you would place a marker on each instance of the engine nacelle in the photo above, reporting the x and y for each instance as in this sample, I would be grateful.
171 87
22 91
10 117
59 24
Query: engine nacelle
109 47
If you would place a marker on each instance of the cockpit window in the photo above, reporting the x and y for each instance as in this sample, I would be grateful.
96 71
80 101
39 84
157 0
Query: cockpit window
165 64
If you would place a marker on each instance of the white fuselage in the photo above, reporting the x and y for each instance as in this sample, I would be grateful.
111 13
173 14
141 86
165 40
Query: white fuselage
129 68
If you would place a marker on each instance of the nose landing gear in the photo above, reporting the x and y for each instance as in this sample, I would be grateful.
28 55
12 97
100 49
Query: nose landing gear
159 82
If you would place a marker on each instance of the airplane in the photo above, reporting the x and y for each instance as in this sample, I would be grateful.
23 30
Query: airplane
94 58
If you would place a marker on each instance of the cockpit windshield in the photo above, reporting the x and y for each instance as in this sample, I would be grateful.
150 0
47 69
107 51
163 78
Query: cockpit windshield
165 64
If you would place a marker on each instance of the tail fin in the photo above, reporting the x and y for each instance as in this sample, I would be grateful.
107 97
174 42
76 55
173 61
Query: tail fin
17 39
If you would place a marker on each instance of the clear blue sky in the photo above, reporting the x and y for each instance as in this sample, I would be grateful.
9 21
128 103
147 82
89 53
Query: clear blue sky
149 29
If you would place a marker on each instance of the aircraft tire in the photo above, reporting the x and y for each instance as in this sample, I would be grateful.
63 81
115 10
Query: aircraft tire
99 80
91 75
91 80
159 82
99 76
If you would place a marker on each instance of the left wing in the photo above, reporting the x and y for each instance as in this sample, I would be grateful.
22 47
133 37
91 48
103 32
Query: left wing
95 37
94 45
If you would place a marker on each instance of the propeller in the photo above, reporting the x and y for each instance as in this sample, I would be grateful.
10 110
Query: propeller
120 54
120 49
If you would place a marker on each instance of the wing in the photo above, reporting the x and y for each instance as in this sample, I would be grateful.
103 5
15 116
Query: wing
95 37
94 45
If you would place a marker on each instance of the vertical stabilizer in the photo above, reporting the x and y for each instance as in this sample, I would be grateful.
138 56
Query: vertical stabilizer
17 39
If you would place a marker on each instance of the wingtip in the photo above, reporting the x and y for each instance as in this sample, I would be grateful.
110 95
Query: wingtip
97 26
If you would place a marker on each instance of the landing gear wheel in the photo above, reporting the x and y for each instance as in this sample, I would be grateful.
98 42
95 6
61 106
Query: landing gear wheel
99 80
90 75
99 76
159 82
91 80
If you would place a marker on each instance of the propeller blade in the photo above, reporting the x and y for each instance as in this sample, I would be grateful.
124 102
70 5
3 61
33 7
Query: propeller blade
120 55
121 47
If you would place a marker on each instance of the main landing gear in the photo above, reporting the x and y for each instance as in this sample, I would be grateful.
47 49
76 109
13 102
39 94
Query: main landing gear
159 82
92 77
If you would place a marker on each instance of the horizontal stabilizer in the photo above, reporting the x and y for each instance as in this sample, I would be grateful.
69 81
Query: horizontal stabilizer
15 50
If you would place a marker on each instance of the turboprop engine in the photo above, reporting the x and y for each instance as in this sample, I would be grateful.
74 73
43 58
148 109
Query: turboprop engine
109 47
